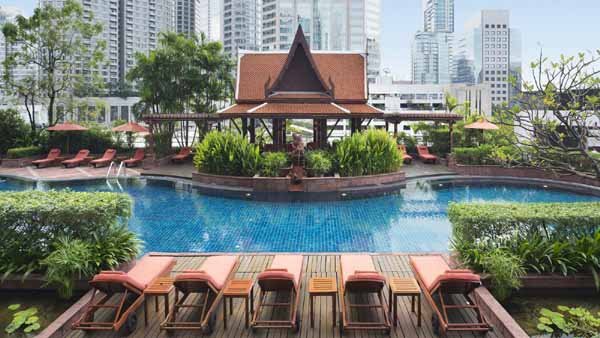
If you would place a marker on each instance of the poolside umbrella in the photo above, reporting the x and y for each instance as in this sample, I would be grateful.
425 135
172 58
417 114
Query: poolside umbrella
67 127
131 128
482 125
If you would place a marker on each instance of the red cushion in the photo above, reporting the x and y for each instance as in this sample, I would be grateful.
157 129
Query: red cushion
366 277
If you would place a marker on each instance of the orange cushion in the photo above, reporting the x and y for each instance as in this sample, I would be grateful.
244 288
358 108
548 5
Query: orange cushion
291 263
459 277
366 276
142 274
351 264
214 270
429 268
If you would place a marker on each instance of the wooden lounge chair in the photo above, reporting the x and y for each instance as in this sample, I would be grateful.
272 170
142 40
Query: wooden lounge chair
77 160
438 282
109 156
183 154
424 154
49 160
284 276
406 158
137 158
208 282
123 293
359 277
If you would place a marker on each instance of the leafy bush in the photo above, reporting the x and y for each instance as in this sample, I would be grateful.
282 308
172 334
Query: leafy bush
31 222
574 322
112 246
163 143
71 260
409 141
319 162
473 156
368 153
13 129
96 139
272 163
22 152
505 270
481 222
226 153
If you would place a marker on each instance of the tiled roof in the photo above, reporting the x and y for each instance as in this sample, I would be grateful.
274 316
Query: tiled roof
299 110
346 71
362 109
428 116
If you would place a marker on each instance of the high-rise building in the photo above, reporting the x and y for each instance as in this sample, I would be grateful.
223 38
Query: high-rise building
199 16
432 48
330 25
128 27
490 53
242 26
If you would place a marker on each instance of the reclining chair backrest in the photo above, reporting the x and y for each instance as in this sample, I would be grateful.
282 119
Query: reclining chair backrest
53 154
423 150
139 154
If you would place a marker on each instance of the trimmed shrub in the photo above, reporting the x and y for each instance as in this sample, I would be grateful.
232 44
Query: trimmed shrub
23 152
226 153
368 153
31 222
474 156
481 222
319 162
272 163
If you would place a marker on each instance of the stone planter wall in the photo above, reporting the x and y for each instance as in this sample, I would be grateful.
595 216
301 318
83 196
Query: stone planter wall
519 172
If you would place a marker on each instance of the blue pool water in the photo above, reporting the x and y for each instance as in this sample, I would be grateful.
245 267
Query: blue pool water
172 217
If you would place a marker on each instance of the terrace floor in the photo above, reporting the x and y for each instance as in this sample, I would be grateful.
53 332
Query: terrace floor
317 265
60 173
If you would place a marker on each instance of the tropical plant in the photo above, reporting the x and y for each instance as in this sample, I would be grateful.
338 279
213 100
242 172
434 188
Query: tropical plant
319 162
272 163
574 322
505 270
70 260
13 130
112 246
57 41
27 320
226 153
409 141
474 156
370 152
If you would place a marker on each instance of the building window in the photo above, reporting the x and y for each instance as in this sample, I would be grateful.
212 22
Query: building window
114 113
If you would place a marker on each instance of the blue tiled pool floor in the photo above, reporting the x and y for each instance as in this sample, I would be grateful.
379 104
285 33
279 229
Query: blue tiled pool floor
172 217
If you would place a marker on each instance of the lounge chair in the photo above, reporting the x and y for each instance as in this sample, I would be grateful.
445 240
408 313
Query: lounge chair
208 282
359 277
49 160
109 156
183 154
124 293
137 158
438 282
283 276
77 160
424 154
406 158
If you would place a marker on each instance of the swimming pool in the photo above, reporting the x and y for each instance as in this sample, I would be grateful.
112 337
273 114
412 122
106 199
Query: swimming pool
171 216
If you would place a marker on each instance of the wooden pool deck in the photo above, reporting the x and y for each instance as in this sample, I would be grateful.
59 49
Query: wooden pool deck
317 265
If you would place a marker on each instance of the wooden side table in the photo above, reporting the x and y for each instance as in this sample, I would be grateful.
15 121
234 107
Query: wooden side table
322 286
161 286
239 288
404 286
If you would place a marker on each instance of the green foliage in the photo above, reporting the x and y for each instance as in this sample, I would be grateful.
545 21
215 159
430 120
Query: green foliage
27 320
272 163
112 246
319 162
575 322
163 143
96 139
32 221
69 261
368 153
474 156
505 270
226 153
13 130
22 152
409 141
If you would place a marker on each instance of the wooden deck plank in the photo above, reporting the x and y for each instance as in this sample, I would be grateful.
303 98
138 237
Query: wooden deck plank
315 265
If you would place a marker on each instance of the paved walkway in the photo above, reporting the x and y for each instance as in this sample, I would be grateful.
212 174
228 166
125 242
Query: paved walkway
60 173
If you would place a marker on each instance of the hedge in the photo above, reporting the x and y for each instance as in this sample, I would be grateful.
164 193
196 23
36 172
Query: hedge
31 221
473 156
22 152
480 222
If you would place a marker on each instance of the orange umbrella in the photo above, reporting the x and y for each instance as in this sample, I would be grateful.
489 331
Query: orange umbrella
482 124
67 127
131 127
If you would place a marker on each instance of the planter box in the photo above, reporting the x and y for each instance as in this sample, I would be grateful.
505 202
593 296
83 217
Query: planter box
556 284
36 282
19 162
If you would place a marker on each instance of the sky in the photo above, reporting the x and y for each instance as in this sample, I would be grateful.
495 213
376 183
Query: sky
555 26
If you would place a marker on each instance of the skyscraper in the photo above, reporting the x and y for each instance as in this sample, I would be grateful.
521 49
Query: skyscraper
199 16
432 48
242 25
333 25
490 52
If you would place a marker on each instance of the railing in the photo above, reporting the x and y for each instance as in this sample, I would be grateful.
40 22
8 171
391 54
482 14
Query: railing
112 168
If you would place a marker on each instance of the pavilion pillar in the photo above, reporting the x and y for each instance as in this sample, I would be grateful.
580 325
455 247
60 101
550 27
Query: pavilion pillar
320 132
355 125
151 142
278 132
395 129
450 128
252 131
387 126
244 127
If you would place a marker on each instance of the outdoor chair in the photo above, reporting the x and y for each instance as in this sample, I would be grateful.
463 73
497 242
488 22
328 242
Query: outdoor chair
438 283
109 156
424 154
208 283
123 293
406 158
51 159
183 154
77 160
359 279
284 276
137 158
